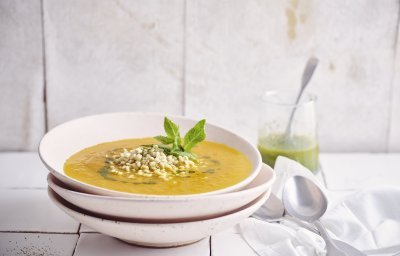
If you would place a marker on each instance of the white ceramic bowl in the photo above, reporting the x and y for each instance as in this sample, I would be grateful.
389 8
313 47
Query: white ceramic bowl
158 234
170 209
67 139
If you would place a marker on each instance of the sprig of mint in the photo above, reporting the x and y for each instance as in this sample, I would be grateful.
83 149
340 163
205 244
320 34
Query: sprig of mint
194 136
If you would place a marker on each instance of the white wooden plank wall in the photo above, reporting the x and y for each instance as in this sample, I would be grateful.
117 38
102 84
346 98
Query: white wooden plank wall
105 56
237 49
394 129
200 58
21 75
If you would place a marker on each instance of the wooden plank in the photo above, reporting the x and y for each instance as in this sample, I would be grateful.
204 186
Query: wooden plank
353 94
37 244
21 75
26 168
360 171
85 229
113 56
99 244
230 242
30 210
238 49
394 129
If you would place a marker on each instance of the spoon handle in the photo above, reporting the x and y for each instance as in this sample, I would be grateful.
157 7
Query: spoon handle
302 224
331 248
307 74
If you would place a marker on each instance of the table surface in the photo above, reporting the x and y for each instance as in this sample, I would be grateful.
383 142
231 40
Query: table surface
31 225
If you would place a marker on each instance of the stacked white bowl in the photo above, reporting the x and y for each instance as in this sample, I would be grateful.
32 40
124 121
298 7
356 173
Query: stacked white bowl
148 220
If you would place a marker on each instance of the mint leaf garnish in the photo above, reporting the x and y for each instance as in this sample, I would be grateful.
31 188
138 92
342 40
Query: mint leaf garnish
164 140
194 136
171 129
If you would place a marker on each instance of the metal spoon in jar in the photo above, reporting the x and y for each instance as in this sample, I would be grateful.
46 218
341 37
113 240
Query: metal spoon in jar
307 74
304 200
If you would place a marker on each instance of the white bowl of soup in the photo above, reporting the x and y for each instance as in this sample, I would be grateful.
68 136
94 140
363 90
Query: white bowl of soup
158 234
173 209
76 152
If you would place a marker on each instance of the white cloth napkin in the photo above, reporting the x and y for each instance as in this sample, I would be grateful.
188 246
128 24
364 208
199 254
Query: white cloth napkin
368 220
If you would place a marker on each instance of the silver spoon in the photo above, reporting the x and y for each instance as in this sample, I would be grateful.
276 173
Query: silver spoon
307 74
303 199
274 211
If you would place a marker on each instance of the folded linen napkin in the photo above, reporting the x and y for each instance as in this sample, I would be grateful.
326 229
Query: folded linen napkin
272 239
369 220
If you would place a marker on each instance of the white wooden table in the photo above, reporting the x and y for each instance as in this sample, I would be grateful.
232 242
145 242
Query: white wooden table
31 225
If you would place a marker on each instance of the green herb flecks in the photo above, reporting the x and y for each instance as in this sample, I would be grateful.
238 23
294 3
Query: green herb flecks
105 173
209 171
172 142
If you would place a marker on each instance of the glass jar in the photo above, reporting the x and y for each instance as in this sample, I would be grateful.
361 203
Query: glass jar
277 136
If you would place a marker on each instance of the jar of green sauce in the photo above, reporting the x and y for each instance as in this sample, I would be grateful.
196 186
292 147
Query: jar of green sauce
299 141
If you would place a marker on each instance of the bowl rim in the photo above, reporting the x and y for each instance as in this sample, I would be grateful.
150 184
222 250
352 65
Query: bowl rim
52 181
55 198
114 193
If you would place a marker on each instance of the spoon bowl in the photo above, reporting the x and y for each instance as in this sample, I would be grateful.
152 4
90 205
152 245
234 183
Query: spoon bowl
303 199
